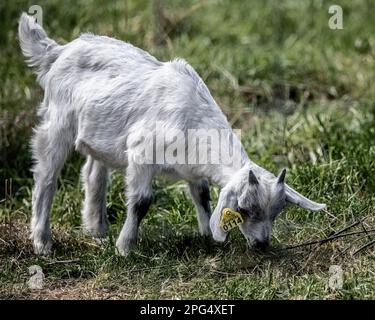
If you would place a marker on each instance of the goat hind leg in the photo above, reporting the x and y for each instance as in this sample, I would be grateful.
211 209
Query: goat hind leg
94 212
50 148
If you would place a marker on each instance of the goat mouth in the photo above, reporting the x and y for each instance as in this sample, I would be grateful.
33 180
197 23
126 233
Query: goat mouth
256 247
261 249
250 242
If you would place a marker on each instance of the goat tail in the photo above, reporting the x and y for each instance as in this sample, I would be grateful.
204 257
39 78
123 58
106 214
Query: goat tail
39 50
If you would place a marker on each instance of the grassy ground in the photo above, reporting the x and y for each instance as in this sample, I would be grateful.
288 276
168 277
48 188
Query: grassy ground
303 96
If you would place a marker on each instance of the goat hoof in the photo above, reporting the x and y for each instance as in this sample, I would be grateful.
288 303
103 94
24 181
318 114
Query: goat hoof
125 247
42 242
42 248
96 231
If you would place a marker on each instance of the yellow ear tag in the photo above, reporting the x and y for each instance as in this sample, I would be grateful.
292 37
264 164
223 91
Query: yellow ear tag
230 219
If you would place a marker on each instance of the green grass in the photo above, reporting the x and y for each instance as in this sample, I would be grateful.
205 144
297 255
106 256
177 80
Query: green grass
303 96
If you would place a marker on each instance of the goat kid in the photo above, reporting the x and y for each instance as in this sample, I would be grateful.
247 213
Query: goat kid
100 96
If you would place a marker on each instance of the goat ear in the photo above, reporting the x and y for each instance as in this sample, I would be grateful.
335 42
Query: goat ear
294 197
281 176
252 178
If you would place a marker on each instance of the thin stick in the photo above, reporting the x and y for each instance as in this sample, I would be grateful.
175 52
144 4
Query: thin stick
350 226
62 261
333 237
154 268
230 273
311 255
364 247
350 246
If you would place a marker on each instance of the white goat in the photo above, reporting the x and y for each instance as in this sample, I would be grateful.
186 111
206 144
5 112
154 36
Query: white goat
101 96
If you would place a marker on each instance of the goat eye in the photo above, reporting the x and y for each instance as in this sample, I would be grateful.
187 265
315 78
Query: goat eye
243 211
255 209
280 207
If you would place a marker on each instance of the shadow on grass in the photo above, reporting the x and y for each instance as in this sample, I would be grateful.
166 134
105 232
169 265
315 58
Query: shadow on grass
158 257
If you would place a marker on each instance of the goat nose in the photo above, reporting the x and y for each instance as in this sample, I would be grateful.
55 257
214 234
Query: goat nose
261 245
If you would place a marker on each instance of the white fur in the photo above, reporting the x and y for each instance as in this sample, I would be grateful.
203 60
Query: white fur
101 95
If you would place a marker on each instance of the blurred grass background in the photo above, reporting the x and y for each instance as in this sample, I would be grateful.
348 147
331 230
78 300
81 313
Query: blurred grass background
302 94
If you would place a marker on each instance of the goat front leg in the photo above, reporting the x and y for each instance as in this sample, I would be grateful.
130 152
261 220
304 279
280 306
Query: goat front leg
200 193
139 197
